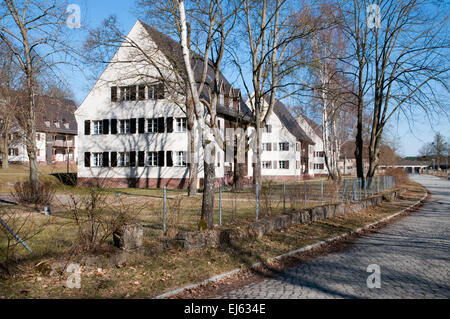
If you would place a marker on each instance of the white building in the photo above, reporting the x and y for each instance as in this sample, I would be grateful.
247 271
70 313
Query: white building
314 131
286 147
56 133
132 125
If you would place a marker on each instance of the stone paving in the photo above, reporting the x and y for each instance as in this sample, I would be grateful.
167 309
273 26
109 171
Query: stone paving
413 255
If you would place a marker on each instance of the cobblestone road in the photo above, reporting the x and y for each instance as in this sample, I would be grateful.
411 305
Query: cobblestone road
413 255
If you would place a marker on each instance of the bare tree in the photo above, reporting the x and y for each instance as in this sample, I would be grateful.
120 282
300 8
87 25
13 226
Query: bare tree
400 61
31 30
270 29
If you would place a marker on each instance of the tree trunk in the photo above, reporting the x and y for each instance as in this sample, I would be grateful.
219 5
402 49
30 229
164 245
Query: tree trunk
209 171
193 164
257 164
4 151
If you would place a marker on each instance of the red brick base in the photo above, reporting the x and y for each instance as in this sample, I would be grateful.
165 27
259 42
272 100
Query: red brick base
171 183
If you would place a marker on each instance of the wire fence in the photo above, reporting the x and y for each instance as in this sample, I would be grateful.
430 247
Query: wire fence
271 198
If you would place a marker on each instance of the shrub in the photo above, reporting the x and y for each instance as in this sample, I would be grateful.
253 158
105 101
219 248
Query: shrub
399 173
23 193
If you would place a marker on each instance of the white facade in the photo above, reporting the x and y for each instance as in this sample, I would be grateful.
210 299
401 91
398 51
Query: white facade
317 163
281 156
18 151
130 140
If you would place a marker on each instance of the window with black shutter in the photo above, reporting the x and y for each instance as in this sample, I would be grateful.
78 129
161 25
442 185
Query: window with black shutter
141 159
113 159
133 159
133 93
105 127
141 125
161 128
87 127
87 159
161 158
169 159
133 126
114 126
114 94
105 161
141 94
169 124
160 91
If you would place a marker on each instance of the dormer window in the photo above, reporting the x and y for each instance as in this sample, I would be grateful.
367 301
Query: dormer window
47 123
221 102
66 125
57 124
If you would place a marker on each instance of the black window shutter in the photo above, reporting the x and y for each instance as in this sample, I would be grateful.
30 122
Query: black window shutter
113 126
132 159
105 159
141 125
160 94
161 125
87 159
105 127
133 93
161 158
169 159
141 158
169 124
133 126
141 92
114 94
113 159
87 127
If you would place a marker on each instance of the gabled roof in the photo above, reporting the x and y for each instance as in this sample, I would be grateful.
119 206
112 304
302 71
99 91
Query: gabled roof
55 115
314 126
52 115
290 123
173 52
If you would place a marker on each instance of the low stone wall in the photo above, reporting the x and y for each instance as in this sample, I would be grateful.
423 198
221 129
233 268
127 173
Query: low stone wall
223 237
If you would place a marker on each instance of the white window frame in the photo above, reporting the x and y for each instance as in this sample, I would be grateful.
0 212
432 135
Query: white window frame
180 125
152 159
267 164
124 126
123 159
153 123
283 146
97 159
180 158
282 164
98 127
265 146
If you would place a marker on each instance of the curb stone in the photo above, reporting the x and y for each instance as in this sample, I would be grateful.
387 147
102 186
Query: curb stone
293 252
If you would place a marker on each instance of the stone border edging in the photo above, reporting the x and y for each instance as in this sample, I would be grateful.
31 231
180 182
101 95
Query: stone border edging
293 252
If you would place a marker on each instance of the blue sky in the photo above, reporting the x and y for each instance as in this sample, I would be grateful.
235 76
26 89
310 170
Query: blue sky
411 135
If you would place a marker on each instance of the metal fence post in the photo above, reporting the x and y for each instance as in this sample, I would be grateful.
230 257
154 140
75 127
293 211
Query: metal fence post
220 205
365 188
164 210
360 188
284 197
256 193
304 190
321 190
378 184
344 190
